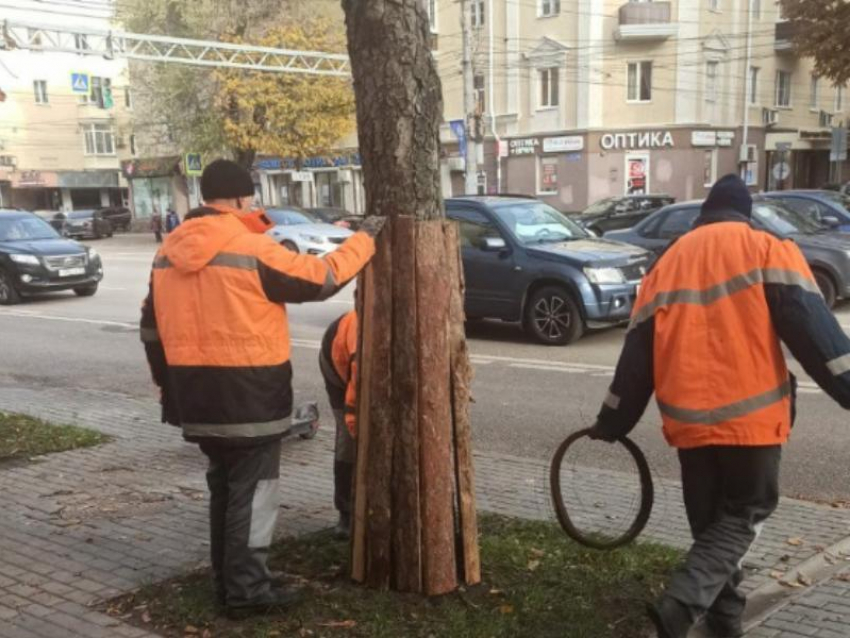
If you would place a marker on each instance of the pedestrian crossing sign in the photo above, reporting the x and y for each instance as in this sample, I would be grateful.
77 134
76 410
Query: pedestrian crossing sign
194 164
80 83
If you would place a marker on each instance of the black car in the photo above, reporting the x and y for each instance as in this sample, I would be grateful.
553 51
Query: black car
615 213
87 224
525 261
828 253
34 258
119 216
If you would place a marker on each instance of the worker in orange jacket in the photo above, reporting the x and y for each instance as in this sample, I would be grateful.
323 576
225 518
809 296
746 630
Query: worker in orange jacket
338 363
705 337
216 334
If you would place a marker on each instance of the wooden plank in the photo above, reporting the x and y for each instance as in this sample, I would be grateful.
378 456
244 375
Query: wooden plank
407 559
379 473
461 385
439 569
365 306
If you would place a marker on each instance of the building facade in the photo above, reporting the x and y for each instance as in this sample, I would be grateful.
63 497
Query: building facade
582 100
65 118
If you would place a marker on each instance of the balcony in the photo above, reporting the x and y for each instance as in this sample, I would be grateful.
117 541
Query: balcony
645 21
785 34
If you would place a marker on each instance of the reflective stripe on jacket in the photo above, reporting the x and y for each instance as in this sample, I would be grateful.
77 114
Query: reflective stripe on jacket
705 336
215 317
338 362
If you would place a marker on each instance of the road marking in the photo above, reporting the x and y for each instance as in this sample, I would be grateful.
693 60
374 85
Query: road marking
28 314
552 368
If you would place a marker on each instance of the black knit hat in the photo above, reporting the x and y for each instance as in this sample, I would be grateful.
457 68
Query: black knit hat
729 194
223 179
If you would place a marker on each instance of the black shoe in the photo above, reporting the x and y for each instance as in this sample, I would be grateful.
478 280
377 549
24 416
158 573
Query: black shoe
342 531
723 627
277 599
670 617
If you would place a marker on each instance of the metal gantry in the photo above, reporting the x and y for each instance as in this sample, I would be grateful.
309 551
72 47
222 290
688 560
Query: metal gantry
155 48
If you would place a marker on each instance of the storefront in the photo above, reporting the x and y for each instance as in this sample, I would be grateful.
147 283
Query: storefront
92 189
801 159
35 190
156 184
571 171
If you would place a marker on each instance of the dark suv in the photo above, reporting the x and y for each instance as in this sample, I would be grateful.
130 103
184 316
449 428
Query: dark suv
87 224
119 216
525 261
615 213
34 258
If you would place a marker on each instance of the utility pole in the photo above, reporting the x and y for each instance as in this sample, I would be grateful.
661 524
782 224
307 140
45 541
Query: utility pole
469 106
744 165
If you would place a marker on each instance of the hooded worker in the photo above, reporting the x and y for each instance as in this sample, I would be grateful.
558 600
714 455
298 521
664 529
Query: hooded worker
711 315
216 334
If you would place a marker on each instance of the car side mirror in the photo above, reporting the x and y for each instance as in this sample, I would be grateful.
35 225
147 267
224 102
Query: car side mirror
493 244
830 222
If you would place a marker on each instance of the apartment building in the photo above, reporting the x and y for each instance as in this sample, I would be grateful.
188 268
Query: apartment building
585 99
64 116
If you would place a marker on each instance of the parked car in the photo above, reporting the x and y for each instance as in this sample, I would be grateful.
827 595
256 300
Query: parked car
829 208
119 216
828 254
525 261
34 258
54 218
301 232
87 224
614 213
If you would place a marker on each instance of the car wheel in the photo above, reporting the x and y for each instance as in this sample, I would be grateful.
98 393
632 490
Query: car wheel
86 291
8 294
289 245
827 287
553 317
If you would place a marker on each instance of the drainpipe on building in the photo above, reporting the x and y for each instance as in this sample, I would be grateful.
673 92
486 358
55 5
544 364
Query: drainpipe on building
492 100
471 167
747 91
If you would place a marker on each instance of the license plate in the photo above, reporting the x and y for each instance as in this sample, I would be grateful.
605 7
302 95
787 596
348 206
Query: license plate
72 272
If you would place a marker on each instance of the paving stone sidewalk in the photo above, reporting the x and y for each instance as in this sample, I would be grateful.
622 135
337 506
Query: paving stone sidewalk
84 526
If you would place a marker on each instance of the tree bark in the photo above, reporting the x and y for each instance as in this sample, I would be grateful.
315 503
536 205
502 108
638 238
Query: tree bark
414 526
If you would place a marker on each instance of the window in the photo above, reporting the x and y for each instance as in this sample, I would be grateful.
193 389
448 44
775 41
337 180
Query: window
81 42
100 93
549 87
754 85
477 11
839 98
432 14
714 5
711 81
128 98
783 89
678 222
547 175
40 89
100 139
133 145
548 8
813 93
480 95
755 7
640 82
474 229
709 170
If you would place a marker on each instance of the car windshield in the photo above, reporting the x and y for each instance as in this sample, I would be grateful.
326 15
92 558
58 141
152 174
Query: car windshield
537 223
30 227
782 220
599 207
81 214
837 198
290 217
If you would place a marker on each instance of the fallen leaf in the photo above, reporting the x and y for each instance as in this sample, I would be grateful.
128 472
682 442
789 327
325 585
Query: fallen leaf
339 624
190 630
796 542
804 580
793 585
146 617
495 592
537 553
533 565
506 609
777 575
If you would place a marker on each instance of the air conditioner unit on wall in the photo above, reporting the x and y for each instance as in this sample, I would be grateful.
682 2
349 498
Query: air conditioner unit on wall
457 164
769 117
748 154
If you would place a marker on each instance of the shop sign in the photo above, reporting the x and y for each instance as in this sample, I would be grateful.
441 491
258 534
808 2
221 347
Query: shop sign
152 167
277 163
725 138
637 175
33 179
637 140
302 176
503 148
564 144
704 138
88 179
527 146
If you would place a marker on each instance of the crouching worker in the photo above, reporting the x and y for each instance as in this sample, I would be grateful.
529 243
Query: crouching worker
337 361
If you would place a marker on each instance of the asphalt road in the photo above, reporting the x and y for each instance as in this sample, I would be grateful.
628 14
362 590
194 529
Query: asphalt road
527 396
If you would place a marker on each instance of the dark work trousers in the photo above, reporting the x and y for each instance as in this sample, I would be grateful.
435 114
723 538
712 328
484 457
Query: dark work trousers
244 502
729 492
345 451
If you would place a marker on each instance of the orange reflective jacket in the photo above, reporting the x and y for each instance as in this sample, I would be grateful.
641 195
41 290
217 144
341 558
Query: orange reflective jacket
216 310
338 361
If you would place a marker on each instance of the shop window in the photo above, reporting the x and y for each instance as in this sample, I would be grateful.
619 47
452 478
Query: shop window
547 175
549 8
40 90
100 139
549 87
783 89
640 82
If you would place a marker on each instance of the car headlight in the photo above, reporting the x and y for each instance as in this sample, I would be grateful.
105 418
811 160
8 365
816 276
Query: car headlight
605 275
313 239
93 254
25 259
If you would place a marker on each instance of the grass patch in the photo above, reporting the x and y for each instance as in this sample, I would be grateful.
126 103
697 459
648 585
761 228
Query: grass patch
23 436
537 584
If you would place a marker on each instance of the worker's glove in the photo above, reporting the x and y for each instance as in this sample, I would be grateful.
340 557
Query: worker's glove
372 225
598 433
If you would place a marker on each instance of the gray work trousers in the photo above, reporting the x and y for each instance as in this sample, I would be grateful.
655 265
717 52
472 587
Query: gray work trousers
729 492
244 503
345 452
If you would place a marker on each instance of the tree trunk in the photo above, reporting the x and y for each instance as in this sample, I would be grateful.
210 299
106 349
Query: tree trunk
414 511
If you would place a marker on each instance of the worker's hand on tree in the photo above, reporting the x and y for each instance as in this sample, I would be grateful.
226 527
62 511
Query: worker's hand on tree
372 225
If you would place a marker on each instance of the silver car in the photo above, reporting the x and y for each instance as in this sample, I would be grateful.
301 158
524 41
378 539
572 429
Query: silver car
302 232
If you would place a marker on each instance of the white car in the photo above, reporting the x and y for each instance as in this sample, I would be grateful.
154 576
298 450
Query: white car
302 232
